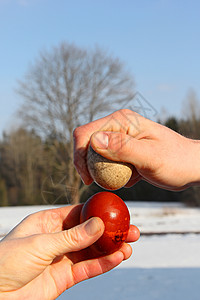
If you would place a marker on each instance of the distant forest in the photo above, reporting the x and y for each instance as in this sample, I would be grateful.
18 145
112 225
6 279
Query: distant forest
66 87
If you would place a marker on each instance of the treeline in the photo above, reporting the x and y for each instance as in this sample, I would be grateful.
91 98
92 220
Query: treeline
34 171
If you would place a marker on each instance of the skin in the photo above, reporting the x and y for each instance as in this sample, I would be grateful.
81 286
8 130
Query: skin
46 254
159 155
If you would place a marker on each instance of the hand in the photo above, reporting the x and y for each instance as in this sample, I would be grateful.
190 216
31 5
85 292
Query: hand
45 254
159 155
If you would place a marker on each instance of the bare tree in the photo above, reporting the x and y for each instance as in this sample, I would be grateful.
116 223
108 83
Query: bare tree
67 87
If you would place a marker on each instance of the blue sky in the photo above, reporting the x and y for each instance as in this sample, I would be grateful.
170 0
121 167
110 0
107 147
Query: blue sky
159 41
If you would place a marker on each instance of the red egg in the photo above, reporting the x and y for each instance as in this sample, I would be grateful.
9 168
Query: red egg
115 215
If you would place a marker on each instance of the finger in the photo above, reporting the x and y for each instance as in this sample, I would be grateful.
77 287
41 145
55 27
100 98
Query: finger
74 239
80 162
47 221
81 137
127 250
121 147
133 181
91 268
88 253
72 218
133 234
135 177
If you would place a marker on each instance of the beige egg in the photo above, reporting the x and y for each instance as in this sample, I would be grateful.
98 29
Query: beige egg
107 173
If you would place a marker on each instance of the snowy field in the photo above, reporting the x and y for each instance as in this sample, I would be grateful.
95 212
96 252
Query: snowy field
165 264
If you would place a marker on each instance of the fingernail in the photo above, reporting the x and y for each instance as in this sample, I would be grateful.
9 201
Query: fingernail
92 227
101 140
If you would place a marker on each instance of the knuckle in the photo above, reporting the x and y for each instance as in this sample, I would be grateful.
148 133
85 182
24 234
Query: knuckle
125 111
117 142
75 132
73 238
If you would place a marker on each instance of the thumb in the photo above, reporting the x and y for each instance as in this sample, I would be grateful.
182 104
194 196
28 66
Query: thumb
118 146
73 239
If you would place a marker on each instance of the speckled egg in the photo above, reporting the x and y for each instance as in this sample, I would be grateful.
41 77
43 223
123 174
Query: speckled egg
108 174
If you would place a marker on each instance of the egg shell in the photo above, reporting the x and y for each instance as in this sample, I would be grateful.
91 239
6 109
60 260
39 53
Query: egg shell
108 174
114 213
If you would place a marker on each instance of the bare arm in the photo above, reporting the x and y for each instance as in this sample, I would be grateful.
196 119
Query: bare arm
160 156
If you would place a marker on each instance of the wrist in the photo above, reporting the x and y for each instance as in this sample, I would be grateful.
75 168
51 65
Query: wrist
194 153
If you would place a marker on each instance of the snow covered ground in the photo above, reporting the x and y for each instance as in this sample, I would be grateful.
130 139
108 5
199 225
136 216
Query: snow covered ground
165 264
